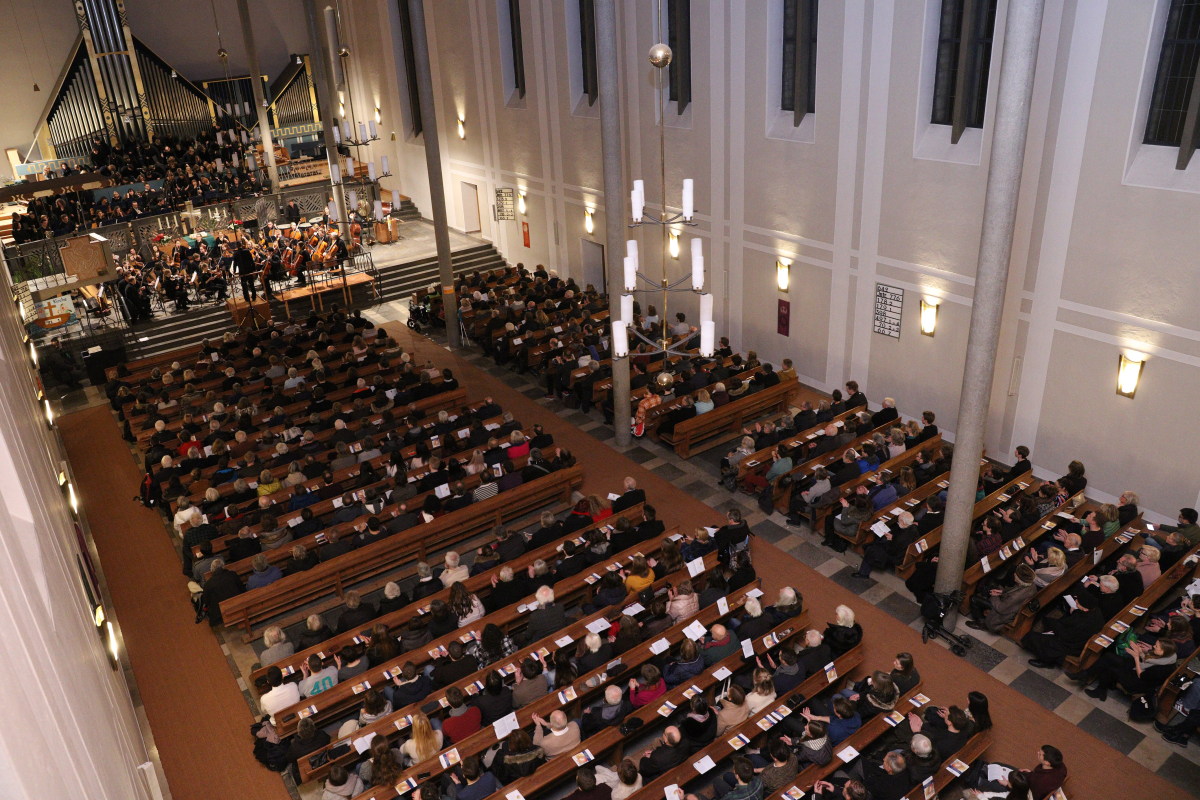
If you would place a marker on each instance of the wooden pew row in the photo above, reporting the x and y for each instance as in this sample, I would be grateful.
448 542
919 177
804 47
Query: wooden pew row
759 461
630 661
291 409
1127 537
1186 568
1168 693
1014 549
798 472
326 506
367 426
727 422
560 767
346 474
212 380
343 697
721 748
909 502
332 576
656 414
610 741
241 365
146 365
917 551
279 555
397 620
888 470
969 753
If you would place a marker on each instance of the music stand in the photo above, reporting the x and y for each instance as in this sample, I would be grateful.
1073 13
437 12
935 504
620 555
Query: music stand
253 319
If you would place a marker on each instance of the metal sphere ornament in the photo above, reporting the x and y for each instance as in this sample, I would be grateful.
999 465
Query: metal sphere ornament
660 56
343 51
664 379
222 54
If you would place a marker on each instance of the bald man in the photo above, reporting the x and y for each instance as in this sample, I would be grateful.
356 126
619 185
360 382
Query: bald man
557 736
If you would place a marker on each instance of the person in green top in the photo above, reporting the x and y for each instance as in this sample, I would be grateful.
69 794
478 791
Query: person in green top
1187 528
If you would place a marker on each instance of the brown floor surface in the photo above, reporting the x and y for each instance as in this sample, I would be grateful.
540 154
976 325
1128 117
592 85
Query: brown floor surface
198 715
200 724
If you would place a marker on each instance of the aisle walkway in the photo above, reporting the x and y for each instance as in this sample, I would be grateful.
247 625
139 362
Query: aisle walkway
198 714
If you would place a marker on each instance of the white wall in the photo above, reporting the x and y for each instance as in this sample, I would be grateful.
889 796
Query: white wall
69 727
1105 242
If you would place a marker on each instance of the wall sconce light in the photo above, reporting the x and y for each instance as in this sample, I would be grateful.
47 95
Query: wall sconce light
112 646
521 201
462 131
589 224
673 244
1129 372
72 498
929 312
98 615
21 307
378 116
341 109
783 273
33 354
49 413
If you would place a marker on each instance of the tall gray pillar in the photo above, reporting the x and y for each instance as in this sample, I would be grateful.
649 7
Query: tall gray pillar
614 198
1017 64
325 104
433 161
264 122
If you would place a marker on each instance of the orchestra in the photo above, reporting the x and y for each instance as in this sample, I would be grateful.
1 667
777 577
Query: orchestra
270 260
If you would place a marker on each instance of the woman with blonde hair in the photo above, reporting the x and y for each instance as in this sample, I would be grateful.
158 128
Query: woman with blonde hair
1054 566
518 445
425 742
704 402
843 633
763 693
267 484
476 465
1147 564
599 508
732 709
294 476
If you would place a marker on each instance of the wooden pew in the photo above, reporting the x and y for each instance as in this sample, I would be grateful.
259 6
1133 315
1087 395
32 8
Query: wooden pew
610 740
1014 549
798 472
342 697
969 753
476 584
1168 693
630 661
915 554
604 741
1127 537
759 461
909 502
376 558
887 471
725 423
1186 568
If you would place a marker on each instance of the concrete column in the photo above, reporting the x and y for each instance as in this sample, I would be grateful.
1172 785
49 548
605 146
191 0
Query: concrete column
1017 65
325 100
614 197
433 162
264 122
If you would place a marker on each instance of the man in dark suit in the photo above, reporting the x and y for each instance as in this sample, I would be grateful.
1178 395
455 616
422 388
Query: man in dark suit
222 585
460 498
650 526
547 618
551 530
854 398
672 752
929 430
631 497
356 615
886 414
1066 635
574 561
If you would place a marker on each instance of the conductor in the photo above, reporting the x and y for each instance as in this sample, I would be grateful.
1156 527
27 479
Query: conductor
243 264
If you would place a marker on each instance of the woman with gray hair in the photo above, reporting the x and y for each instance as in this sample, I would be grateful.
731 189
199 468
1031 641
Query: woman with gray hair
278 647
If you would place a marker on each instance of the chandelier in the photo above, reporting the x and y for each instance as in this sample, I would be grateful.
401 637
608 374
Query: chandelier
660 57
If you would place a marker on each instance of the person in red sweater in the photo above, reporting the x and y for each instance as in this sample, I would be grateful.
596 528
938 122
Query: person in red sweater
650 688
461 720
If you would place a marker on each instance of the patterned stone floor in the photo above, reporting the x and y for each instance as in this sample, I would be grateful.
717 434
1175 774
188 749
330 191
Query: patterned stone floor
999 657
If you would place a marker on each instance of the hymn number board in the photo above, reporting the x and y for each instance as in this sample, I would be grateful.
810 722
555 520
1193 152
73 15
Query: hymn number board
889 307
505 208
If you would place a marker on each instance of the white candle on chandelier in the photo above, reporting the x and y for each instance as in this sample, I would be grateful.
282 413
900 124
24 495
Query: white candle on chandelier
337 134
332 210
350 167
229 109
706 308
347 131
245 138
335 172
235 160
620 339
379 209
395 199
627 309
362 132
708 333
697 263
374 134
371 170
630 273
218 161
639 200
221 138
250 163
386 171
353 199
687 199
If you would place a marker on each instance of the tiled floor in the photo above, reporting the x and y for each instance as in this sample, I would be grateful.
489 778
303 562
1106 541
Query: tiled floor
999 657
